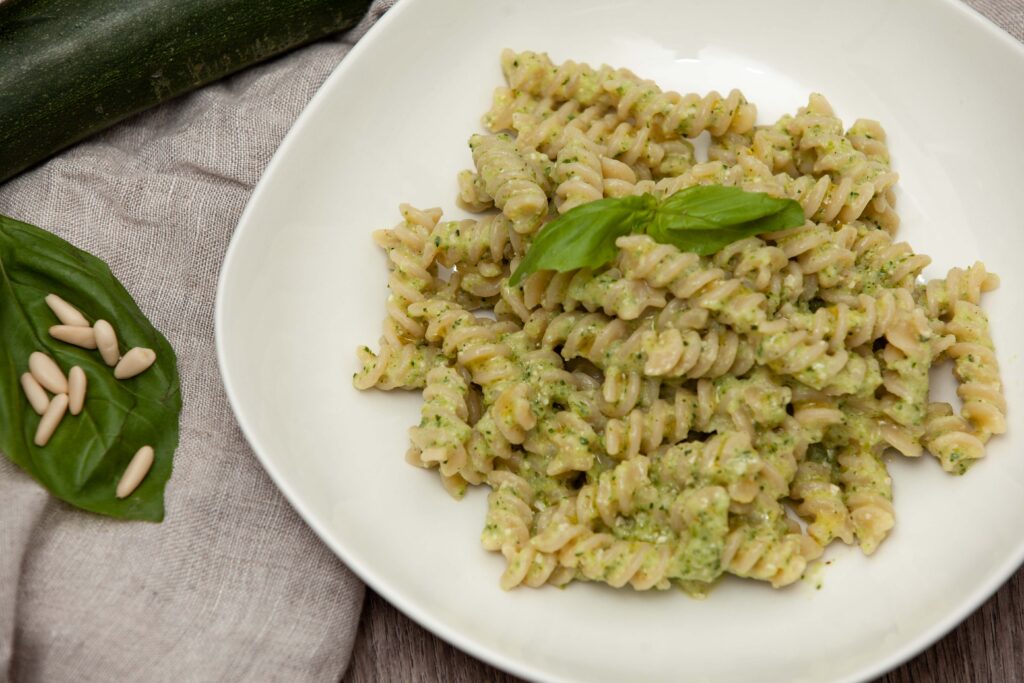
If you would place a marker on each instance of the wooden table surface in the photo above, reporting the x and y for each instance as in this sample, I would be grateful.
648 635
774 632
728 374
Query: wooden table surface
986 648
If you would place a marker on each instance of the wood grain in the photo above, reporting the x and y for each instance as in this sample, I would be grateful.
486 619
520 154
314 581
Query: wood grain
988 647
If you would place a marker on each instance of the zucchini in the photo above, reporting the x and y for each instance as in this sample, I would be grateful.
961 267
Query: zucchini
69 68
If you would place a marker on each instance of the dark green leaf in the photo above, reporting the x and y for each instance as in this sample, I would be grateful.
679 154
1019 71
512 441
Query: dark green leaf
703 242
584 237
717 206
705 218
86 456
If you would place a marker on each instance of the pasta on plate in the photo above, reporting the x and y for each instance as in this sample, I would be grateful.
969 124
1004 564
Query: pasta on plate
673 417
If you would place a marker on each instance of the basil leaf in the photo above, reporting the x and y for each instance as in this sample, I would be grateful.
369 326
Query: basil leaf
86 456
584 237
705 218
717 206
703 242
701 219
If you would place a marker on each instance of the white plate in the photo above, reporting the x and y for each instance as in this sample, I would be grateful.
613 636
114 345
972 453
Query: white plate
303 284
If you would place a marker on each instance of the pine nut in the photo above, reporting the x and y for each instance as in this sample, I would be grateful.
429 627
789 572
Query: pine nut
136 471
51 418
65 312
106 340
137 360
75 334
77 382
47 373
35 393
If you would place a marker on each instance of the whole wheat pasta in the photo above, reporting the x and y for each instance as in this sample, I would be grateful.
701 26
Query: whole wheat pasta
662 420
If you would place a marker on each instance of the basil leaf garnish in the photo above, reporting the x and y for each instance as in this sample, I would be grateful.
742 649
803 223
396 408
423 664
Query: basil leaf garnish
86 456
705 218
701 219
584 237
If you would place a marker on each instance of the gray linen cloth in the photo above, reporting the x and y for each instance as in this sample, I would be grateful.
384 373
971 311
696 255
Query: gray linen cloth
233 585
1006 14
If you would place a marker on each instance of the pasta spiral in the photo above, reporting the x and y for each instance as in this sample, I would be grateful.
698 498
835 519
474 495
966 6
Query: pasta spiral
951 439
977 371
768 551
395 367
861 321
517 187
727 460
940 296
867 492
644 430
776 147
549 133
881 263
821 132
819 249
534 73
781 450
702 518
411 278
684 115
469 243
616 492
671 113
752 257
821 501
691 277
868 137
440 439
578 172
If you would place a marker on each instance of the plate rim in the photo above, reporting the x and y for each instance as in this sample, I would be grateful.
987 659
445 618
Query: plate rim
392 594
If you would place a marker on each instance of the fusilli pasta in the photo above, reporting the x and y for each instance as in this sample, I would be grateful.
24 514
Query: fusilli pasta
673 417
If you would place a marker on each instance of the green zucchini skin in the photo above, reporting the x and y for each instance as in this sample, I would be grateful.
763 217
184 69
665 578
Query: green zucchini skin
69 68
